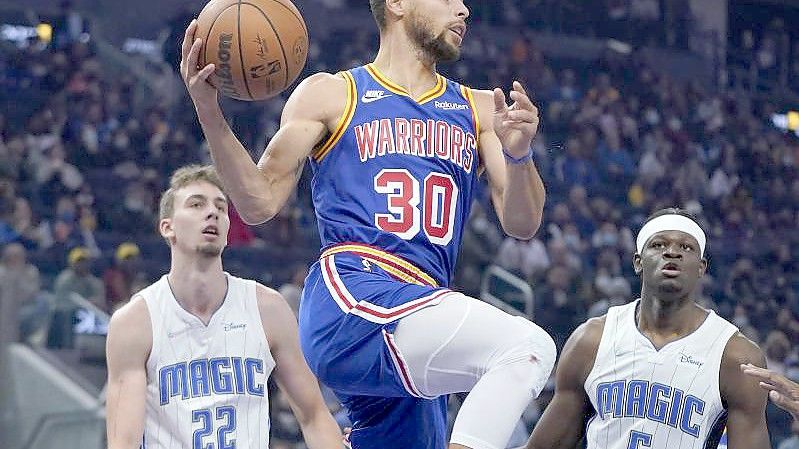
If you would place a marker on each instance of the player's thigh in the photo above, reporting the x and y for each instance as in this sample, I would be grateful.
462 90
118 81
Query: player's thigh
448 347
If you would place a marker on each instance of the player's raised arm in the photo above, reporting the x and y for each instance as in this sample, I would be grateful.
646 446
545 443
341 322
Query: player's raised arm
562 424
746 401
293 375
260 191
127 348
517 190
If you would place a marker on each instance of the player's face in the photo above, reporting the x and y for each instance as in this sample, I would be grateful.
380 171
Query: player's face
670 263
200 222
437 27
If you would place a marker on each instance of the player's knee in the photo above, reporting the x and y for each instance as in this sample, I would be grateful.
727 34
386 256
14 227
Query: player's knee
531 357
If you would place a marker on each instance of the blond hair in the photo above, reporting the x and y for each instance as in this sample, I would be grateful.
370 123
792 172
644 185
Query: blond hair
180 179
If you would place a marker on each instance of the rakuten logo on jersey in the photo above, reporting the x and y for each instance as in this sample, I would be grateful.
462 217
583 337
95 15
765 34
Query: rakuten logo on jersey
447 106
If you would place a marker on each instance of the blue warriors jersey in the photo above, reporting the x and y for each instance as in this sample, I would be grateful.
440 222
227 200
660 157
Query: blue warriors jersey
398 175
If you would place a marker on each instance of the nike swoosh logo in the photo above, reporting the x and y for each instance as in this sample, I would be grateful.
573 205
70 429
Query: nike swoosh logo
366 99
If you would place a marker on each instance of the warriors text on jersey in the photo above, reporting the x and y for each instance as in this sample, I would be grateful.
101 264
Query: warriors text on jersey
206 385
398 173
666 399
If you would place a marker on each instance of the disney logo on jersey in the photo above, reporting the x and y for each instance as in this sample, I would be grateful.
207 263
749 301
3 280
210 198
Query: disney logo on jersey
233 326
449 106
374 95
685 358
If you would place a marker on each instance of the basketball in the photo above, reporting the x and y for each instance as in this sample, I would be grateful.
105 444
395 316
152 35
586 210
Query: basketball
258 47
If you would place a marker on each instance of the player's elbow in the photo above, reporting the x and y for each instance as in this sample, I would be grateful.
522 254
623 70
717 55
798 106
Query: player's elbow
522 228
257 215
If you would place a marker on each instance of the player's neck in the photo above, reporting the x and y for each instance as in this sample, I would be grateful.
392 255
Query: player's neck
405 64
198 283
677 317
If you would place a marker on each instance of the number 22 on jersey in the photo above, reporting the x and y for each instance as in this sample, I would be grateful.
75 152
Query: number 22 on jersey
437 194
226 416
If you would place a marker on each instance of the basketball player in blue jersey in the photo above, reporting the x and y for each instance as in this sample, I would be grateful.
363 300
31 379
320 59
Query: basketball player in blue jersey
660 372
190 355
396 150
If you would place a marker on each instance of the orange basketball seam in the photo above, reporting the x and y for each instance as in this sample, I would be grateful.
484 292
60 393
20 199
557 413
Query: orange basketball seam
299 18
241 52
279 42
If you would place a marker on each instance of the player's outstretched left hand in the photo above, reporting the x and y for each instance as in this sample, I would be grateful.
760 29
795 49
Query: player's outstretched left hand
515 125
781 390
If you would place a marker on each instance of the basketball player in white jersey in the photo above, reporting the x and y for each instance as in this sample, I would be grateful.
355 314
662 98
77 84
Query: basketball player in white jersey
660 372
190 355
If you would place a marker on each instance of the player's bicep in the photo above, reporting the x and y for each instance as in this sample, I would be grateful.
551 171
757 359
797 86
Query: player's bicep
127 348
745 400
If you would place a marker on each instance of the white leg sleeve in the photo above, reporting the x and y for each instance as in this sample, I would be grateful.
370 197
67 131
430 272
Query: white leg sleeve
463 344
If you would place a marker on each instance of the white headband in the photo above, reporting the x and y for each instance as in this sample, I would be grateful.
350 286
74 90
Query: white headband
671 222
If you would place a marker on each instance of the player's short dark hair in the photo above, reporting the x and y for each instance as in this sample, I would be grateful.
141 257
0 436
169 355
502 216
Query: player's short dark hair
180 179
672 211
378 8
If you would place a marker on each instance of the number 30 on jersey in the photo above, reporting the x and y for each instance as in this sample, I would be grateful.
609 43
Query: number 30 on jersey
437 194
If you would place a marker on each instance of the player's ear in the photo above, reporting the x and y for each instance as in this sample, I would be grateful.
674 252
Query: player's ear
165 229
637 264
703 264
396 8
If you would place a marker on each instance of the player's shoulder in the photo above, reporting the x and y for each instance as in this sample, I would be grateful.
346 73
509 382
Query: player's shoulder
736 388
584 341
740 350
131 324
271 304
482 98
321 96
579 353
132 313
484 102
323 84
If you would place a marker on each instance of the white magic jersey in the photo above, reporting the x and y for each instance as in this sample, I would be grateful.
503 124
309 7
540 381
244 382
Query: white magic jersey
648 399
206 385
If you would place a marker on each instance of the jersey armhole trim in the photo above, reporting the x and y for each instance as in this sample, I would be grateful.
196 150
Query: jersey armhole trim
343 122
467 94
153 332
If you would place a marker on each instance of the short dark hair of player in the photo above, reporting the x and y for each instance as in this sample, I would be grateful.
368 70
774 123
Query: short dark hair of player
378 8
672 211
180 179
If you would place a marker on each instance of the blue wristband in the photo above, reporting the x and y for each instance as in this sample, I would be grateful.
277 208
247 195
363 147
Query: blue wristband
518 160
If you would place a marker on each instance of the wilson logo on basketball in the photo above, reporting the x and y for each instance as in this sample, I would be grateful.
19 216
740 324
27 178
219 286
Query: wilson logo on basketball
224 72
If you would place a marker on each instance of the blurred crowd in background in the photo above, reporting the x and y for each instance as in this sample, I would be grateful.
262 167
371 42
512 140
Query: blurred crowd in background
85 151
